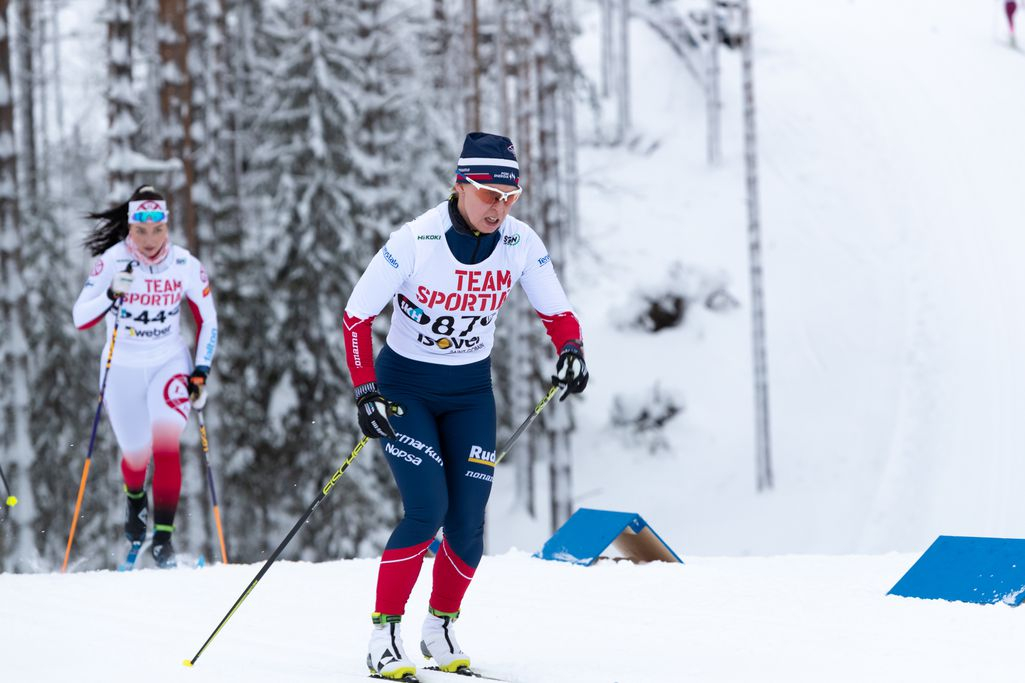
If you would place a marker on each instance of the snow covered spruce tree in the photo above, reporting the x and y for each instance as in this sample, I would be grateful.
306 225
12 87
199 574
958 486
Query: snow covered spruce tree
336 162
238 412
15 452
40 356
121 117
556 68
541 71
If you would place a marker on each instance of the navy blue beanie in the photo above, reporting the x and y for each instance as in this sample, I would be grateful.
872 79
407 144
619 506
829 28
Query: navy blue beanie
488 158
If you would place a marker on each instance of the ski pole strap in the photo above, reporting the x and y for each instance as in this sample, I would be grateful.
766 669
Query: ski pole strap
169 528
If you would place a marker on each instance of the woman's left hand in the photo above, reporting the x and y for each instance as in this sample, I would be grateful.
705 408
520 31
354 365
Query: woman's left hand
197 386
571 371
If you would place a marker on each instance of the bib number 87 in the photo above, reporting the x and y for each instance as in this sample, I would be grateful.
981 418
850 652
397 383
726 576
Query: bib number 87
446 325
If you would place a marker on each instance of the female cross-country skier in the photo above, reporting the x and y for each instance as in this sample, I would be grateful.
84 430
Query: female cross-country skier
143 278
447 274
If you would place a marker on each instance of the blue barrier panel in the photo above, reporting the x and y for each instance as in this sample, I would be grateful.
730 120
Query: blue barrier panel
588 532
968 569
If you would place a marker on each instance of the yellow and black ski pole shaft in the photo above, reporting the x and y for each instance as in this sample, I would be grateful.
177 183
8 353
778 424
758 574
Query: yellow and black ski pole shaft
11 500
274 556
92 438
210 483
507 446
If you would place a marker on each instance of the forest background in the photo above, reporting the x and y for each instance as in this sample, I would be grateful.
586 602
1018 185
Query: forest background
291 139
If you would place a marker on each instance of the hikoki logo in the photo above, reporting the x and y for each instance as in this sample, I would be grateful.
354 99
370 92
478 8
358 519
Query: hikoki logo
429 237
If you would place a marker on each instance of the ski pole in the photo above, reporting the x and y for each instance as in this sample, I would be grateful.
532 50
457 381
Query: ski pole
210 480
277 551
504 450
92 438
11 500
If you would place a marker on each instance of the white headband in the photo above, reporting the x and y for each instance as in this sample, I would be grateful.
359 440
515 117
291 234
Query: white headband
147 205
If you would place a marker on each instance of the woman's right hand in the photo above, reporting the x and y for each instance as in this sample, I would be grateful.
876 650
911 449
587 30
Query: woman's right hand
121 283
372 409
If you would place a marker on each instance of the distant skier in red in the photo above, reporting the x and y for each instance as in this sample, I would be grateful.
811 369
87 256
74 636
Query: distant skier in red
1010 6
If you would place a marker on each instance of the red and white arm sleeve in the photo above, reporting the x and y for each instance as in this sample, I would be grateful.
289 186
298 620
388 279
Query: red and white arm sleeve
387 271
545 293
201 302
563 328
359 348
93 303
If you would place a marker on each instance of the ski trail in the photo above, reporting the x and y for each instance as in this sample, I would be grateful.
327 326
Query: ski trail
957 442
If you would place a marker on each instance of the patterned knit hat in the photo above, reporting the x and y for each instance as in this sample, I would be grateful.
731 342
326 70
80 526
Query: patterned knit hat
488 158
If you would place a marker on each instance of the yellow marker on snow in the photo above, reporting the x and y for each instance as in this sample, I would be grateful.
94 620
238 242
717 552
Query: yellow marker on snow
11 501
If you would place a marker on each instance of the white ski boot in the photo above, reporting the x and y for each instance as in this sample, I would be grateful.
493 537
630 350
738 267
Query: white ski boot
439 642
386 657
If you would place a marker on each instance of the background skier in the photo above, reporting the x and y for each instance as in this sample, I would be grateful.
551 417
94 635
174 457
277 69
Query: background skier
144 278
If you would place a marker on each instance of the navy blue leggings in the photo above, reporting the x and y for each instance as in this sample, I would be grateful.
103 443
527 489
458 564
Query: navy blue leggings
444 457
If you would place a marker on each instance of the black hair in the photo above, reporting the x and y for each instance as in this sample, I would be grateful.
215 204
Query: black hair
113 223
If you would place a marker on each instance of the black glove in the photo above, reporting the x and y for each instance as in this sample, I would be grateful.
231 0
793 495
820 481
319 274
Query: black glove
373 410
570 371
197 386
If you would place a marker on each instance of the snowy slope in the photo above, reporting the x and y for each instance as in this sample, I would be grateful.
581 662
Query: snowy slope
890 148
788 619
890 133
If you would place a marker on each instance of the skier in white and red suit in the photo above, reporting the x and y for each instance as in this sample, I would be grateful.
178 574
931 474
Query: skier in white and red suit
144 278
447 274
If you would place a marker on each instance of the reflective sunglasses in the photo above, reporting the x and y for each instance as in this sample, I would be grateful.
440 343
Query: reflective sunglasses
148 217
491 195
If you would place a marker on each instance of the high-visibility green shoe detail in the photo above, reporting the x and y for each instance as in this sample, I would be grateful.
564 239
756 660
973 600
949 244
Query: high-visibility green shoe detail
379 618
455 665
386 657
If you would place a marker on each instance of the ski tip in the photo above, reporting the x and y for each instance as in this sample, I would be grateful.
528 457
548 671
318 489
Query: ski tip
187 663
201 562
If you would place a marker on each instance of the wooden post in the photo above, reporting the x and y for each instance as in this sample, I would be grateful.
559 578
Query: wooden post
763 445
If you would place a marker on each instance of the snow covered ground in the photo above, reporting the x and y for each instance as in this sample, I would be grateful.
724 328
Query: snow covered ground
891 143
793 619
